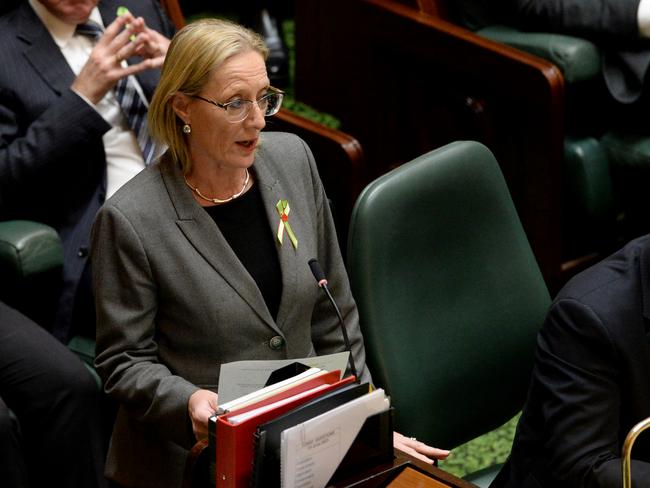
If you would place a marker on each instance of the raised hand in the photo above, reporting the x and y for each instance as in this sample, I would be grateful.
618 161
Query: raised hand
104 66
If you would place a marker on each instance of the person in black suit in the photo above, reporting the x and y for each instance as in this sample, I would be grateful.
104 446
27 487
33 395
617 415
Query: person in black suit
47 400
64 141
591 381
620 27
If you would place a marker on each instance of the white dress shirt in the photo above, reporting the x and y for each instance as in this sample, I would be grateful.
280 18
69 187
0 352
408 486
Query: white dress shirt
644 18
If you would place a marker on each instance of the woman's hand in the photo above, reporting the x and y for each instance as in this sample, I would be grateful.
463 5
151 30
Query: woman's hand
201 406
418 449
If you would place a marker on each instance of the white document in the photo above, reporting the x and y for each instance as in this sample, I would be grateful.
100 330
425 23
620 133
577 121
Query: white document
311 451
243 417
240 378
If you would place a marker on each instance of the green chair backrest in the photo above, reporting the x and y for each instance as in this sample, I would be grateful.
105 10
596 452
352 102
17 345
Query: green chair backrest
449 293
28 249
577 58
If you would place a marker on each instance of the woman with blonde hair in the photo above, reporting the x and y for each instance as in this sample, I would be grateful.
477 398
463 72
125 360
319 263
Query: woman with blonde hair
202 259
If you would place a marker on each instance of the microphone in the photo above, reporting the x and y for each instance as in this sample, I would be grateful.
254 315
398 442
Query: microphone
317 271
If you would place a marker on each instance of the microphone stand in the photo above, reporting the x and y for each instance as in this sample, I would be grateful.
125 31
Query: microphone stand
322 283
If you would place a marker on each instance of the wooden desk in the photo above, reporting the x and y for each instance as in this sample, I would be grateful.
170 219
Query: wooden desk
404 472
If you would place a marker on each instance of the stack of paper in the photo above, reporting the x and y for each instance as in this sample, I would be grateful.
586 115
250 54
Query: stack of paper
313 450
302 426
266 469
234 438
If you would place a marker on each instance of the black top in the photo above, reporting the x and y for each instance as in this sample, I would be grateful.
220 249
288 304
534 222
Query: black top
244 224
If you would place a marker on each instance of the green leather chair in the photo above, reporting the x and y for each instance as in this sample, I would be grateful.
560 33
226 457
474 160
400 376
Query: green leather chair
31 258
405 77
449 293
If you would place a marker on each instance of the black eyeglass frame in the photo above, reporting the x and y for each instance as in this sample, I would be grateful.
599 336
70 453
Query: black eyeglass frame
272 92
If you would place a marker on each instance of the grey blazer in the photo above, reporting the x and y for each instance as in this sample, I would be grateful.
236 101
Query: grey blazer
174 302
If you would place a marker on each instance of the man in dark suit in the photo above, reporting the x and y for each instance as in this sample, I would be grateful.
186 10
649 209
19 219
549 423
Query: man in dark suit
47 399
591 381
618 26
65 140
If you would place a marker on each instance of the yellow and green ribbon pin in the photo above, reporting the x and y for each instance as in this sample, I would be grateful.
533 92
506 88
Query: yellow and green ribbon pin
123 11
283 210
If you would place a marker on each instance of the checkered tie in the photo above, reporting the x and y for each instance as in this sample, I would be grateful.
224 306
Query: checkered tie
129 98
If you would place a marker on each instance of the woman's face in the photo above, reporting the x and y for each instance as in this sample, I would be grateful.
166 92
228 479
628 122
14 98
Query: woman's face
215 140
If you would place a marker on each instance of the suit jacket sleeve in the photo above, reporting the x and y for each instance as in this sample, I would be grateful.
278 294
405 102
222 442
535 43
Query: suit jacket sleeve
35 150
326 333
599 18
576 367
127 352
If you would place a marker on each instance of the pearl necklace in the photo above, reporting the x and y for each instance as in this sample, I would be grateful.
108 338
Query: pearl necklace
217 200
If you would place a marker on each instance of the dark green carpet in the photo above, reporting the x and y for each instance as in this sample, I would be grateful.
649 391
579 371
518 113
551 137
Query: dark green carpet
491 448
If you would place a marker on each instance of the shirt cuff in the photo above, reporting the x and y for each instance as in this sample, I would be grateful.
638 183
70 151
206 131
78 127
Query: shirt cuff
643 17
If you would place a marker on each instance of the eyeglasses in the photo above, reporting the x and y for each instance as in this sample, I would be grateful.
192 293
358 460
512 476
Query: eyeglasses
237 110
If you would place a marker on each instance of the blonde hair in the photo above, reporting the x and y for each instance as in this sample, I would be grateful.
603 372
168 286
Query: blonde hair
196 51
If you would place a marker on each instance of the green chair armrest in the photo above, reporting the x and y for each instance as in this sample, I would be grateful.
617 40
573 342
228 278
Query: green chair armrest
28 249
577 58
84 348
626 150
588 180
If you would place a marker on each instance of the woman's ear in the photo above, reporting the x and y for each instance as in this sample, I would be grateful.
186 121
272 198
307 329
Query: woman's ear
180 105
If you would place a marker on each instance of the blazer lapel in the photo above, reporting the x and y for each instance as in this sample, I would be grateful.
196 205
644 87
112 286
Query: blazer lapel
42 52
108 9
272 190
197 226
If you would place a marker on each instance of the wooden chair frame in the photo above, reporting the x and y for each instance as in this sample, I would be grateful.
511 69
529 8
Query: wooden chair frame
361 59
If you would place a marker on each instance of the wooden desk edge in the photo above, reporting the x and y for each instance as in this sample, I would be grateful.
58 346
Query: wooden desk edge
432 471
389 470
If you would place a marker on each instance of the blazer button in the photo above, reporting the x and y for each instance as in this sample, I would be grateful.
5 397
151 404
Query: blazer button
276 343
83 252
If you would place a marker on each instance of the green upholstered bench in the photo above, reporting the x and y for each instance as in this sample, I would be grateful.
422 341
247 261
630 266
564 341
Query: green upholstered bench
605 171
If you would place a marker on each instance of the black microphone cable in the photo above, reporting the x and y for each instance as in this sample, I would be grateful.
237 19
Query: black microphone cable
317 271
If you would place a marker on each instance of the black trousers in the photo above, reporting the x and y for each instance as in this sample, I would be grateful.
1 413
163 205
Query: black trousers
49 434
